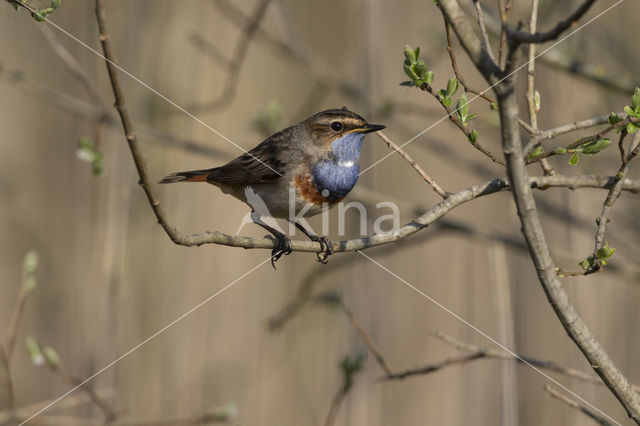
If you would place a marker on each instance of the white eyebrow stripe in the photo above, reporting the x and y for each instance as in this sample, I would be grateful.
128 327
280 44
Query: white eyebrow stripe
346 163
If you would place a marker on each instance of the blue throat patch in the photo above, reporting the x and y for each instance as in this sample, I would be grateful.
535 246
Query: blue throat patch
339 174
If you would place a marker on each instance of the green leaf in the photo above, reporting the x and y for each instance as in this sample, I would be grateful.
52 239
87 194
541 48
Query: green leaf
635 99
561 151
409 54
493 106
409 71
447 102
34 351
535 153
51 356
55 4
629 111
587 263
462 108
605 251
428 78
536 100
29 267
631 128
473 136
613 118
594 147
224 413
442 93
452 87
407 83
30 264
574 159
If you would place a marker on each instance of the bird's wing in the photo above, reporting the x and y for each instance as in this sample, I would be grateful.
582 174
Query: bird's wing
264 163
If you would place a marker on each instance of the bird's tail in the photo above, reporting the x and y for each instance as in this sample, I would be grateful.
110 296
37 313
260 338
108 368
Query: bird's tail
192 176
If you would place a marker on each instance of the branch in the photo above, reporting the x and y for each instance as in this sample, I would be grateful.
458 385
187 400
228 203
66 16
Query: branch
545 268
519 37
413 164
567 128
531 226
612 196
575 404
582 141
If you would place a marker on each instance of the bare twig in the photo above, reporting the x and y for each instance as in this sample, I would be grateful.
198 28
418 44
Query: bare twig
6 350
413 164
575 404
236 62
486 45
505 9
72 401
110 414
524 37
85 80
373 348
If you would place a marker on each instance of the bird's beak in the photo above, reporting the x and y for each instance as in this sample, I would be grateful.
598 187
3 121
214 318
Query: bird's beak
369 128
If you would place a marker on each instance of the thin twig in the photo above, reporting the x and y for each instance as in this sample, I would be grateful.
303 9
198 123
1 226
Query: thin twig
85 80
6 350
373 348
413 164
505 8
531 90
486 45
567 128
517 36
453 117
467 88
581 141
612 196
71 401
575 404
110 414
335 407
236 62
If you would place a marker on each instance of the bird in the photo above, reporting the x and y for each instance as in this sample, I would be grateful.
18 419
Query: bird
297 172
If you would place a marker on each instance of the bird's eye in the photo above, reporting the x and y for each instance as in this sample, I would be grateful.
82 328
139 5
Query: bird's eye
336 126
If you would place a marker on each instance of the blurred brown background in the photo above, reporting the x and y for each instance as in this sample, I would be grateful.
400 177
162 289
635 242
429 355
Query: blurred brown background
109 277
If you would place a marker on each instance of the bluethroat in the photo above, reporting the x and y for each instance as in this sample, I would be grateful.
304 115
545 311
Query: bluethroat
297 172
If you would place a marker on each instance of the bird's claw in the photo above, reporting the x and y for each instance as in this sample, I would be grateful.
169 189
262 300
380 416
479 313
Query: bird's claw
326 249
284 247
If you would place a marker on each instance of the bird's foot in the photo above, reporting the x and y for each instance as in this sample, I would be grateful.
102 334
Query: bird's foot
284 247
326 248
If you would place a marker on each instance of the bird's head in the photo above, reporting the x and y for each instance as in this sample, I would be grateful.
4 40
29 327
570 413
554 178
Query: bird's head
339 131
